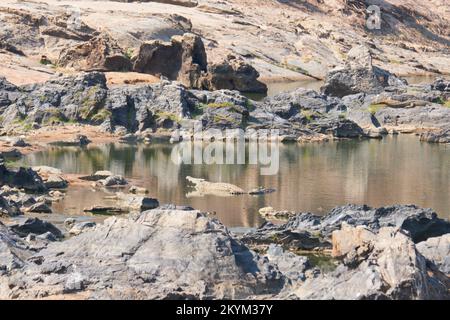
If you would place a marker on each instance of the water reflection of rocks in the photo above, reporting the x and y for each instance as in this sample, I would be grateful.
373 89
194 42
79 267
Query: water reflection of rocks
312 177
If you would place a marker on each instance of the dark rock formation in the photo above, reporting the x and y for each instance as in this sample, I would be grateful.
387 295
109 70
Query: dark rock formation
26 226
441 136
358 75
22 178
306 231
437 250
183 59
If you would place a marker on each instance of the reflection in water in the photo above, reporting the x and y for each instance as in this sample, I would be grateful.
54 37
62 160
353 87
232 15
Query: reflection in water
312 177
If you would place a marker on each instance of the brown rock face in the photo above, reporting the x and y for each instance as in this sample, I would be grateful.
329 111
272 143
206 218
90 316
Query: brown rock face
183 59
99 54
183 3
233 74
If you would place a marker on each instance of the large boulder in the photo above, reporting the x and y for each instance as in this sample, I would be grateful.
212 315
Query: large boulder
22 178
160 254
376 265
100 53
25 226
13 252
8 208
78 98
182 59
233 74
358 75
437 250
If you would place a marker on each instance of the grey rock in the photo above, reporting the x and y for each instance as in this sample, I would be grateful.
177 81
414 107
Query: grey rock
81 227
40 207
441 136
161 254
290 264
437 250
56 182
25 226
130 202
390 269
359 75
13 251
308 231
19 142
22 178
114 181
8 208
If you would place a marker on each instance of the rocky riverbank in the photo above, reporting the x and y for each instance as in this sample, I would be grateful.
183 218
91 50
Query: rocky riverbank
358 101
172 254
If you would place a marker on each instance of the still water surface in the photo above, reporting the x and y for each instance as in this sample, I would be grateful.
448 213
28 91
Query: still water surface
312 177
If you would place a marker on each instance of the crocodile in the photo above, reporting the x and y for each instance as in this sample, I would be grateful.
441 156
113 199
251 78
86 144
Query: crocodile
403 104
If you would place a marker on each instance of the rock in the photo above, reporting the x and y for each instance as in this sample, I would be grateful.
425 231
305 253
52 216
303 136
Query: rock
441 85
261 191
22 178
13 252
308 231
233 74
114 181
99 175
182 59
270 233
359 75
337 127
100 53
40 207
75 98
441 136
25 226
79 141
19 142
138 190
56 182
125 259
81 227
8 208
291 265
136 203
437 250
69 223
46 170
204 187
421 224
11 154
389 268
